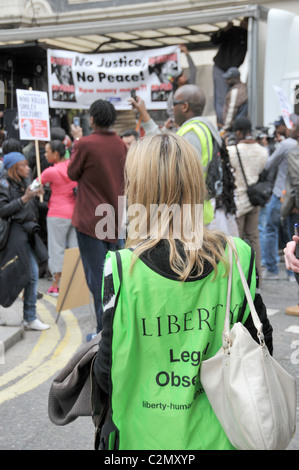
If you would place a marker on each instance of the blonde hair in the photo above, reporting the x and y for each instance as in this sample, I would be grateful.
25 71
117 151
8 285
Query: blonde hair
164 172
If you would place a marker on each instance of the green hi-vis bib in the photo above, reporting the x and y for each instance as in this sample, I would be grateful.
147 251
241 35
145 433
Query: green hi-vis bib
162 330
204 135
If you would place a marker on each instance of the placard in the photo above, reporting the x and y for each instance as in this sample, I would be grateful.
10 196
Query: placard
33 112
285 107
73 290
76 80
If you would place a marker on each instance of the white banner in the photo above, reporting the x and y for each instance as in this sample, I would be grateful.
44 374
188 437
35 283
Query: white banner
76 80
33 112
285 107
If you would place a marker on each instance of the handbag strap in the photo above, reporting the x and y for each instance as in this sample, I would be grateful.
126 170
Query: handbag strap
119 270
240 161
228 297
232 250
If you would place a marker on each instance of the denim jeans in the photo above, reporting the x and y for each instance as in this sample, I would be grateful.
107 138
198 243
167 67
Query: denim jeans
93 253
248 230
30 291
272 234
262 230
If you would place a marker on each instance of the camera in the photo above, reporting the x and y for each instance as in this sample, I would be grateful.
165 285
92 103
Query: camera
133 94
231 139
262 132
34 185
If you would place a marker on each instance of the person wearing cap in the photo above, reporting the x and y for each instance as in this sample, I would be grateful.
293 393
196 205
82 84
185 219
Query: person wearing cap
19 203
253 157
281 130
236 100
278 159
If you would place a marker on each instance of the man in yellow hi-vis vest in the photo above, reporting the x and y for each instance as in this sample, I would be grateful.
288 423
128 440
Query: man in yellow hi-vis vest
188 105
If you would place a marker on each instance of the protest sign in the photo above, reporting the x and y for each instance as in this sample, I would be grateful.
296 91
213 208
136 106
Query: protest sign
284 106
73 290
33 112
76 80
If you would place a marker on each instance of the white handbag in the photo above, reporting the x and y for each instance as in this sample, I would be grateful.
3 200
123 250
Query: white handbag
253 397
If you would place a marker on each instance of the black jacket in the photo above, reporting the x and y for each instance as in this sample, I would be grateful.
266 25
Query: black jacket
26 215
11 204
233 47
14 265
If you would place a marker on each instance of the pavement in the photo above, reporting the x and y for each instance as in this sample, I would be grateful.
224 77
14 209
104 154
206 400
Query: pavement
12 332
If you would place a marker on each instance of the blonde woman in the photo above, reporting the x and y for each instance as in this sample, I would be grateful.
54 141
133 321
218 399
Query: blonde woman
167 316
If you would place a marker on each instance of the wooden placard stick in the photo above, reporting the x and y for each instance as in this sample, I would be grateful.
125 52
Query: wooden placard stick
37 158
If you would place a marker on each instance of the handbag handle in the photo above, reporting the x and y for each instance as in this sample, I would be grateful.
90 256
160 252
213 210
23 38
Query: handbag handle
257 323
240 161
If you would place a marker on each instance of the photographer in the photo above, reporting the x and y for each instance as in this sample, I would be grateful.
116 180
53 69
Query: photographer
277 160
253 157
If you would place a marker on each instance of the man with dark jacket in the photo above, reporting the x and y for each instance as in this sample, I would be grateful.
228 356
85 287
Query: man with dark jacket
232 42
97 163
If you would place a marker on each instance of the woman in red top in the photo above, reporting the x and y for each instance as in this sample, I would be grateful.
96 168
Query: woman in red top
61 232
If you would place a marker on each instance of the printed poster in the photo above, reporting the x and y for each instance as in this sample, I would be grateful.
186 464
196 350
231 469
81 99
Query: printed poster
76 80
33 113
285 107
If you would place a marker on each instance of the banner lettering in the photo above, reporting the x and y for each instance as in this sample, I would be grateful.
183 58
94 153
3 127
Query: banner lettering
76 80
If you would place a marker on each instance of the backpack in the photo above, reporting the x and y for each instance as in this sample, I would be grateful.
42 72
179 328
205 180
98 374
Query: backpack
214 179
291 196
220 180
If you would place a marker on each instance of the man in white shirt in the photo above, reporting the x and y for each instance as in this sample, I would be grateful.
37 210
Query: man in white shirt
253 157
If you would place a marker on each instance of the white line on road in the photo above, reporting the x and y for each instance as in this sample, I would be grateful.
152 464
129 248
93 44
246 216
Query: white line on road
272 311
293 329
64 351
47 341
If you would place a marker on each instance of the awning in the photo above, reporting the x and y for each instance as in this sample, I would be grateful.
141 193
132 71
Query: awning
143 29
192 28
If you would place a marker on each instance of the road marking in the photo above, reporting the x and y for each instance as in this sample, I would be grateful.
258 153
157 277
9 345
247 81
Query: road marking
64 351
293 329
46 343
272 311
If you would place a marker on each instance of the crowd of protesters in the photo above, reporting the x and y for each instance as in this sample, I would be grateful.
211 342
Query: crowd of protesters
80 177
81 172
